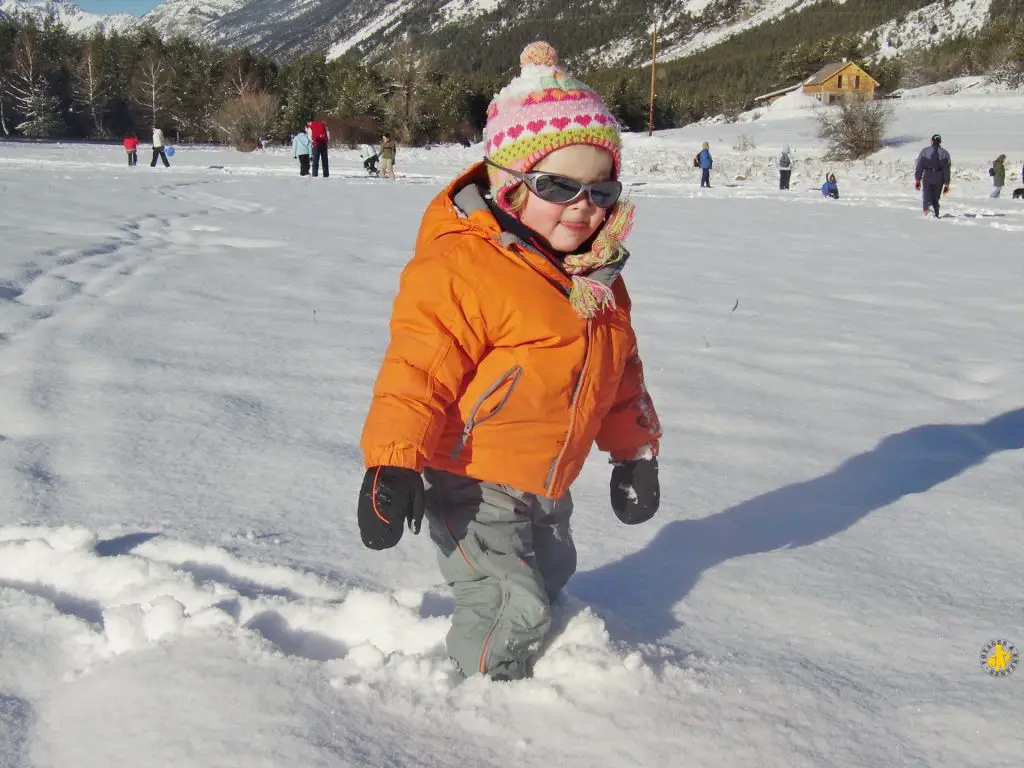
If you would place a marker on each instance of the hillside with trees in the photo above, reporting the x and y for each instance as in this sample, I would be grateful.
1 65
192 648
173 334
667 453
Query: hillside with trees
434 88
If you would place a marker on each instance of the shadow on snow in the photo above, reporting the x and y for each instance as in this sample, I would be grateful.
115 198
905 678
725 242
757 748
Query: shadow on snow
644 587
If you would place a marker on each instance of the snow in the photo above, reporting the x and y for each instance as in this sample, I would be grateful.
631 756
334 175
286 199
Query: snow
74 19
186 357
947 18
457 10
386 16
758 14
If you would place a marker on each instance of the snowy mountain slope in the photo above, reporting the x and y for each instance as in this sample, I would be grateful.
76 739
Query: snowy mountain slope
194 18
932 24
70 15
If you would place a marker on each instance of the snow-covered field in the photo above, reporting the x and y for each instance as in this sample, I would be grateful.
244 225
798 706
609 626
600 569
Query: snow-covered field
186 356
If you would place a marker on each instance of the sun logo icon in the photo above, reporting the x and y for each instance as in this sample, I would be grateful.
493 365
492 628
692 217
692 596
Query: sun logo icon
999 658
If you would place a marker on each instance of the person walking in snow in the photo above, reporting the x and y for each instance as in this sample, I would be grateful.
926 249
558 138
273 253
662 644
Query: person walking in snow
301 147
158 149
998 174
932 174
499 407
831 187
387 156
785 167
705 162
131 146
320 138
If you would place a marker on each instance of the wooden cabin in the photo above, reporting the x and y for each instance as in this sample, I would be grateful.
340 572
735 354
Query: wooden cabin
840 81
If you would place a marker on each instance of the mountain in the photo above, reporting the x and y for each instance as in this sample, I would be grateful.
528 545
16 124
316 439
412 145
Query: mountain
197 19
70 15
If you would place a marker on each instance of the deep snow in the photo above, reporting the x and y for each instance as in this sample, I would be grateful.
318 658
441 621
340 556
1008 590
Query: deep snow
186 357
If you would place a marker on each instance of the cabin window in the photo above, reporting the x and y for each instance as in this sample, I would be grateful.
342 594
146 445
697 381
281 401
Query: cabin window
840 81
856 82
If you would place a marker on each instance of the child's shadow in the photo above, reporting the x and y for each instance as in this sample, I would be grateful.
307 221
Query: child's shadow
644 587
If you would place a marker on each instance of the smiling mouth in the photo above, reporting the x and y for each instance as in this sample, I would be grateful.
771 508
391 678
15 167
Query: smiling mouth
575 226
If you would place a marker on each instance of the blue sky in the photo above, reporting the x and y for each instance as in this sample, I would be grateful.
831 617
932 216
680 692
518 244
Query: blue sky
137 7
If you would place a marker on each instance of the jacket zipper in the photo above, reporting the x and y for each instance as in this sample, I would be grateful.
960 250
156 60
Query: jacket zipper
555 465
511 375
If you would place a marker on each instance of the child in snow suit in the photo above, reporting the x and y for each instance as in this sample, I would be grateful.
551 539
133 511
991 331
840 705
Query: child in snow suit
831 187
706 162
301 147
785 167
511 353
131 146
998 174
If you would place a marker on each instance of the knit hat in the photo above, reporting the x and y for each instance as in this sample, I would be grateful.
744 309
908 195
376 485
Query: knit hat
543 110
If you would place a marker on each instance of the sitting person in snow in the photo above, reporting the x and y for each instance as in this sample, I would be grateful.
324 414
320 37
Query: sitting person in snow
369 156
511 353
831 187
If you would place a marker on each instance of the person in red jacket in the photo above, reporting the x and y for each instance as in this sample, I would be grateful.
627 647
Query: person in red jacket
131 146
319 136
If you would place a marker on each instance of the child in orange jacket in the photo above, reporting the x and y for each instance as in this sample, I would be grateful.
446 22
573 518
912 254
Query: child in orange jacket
511 354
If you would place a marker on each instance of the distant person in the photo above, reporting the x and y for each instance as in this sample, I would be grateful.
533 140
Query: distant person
831 187
785 167
158 149
998 174
704 161
387 156
369 156
301 147
131 146
320 137
932 174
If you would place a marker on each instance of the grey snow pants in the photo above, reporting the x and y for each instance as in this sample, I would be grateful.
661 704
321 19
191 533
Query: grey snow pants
506 555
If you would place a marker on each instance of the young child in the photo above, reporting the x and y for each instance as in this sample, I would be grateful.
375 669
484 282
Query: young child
301 147
831 187
131 146
511 353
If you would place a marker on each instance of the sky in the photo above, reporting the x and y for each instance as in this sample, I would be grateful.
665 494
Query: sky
138 7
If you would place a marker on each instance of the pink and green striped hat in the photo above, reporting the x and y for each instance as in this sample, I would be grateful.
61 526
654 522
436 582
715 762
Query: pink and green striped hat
542 110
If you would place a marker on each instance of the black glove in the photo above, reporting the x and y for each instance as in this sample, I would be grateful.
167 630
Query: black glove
635 490
390 496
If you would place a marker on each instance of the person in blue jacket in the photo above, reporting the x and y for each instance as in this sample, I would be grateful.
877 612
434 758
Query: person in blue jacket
301 147
831 187
704 161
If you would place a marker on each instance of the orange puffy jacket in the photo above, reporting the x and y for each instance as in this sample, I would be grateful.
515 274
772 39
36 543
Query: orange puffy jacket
490 373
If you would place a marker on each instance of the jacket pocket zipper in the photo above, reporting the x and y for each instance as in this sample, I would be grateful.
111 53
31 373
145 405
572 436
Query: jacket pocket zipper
510 377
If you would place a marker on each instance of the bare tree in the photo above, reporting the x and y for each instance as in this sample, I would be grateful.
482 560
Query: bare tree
152 87
245 120
30 89
407 75
90 86
855 129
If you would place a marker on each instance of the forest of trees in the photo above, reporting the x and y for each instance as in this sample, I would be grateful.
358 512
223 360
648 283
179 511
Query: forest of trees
55 84
429 89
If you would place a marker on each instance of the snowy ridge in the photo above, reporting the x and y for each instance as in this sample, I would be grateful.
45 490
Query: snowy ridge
70 15
930 25
196 18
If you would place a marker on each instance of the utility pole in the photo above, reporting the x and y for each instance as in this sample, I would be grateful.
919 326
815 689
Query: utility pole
654 65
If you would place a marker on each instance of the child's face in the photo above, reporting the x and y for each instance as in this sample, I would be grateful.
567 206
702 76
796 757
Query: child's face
567 227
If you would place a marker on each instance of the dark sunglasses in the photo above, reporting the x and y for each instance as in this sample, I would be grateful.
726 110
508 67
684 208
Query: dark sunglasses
563 190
